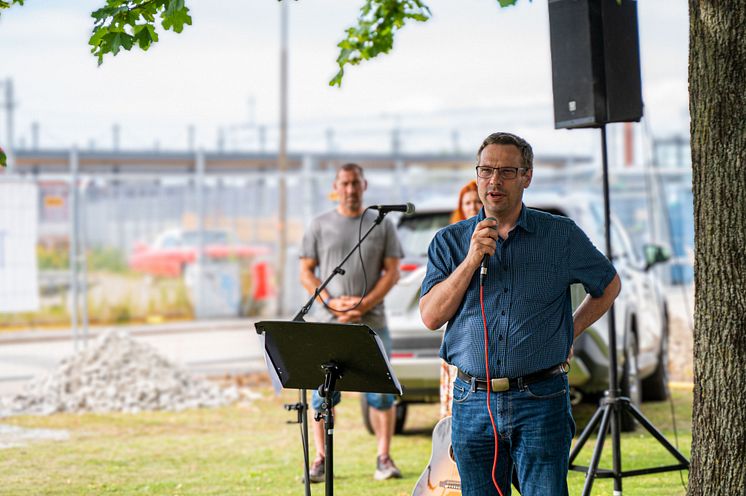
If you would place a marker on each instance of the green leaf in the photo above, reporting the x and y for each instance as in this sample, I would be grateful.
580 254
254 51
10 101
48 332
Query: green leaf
177 20
337 79
378 22
120 24
96 37
145 35
176 15
3 158
113 41
4 4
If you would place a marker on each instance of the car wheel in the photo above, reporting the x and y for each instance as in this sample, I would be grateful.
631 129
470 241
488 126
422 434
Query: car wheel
401 415
655 387
631 386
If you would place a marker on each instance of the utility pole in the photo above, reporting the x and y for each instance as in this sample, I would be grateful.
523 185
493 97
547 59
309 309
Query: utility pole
261 133
252 111
35 136
221 139
115 134
9 141
396 140
330 140
191 134
282 158
398 162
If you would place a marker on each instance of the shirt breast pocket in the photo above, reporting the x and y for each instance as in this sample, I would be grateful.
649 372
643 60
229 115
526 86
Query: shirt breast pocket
541 282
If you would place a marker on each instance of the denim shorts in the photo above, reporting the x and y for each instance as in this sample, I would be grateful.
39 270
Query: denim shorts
379 401
535 428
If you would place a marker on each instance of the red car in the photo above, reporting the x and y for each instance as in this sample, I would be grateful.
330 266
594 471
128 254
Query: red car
175 248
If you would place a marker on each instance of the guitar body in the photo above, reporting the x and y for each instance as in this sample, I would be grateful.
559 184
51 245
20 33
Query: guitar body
440 477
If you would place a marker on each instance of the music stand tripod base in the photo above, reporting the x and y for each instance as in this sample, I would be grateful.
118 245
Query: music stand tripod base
330 357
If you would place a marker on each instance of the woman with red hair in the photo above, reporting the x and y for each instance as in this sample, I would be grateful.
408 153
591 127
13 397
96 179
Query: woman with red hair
469 205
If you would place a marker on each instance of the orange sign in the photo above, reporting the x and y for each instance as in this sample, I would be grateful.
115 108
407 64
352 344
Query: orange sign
53 201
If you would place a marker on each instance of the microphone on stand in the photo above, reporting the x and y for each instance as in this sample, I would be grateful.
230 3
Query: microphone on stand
407 208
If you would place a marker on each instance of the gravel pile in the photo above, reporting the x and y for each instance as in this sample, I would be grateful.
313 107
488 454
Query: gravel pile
117 374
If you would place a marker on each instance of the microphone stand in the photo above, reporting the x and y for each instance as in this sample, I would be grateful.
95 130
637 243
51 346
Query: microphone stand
302 405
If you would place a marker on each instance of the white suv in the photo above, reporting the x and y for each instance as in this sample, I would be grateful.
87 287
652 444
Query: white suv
640 309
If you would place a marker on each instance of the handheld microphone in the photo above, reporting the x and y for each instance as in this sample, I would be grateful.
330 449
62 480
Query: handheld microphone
485 261
408 208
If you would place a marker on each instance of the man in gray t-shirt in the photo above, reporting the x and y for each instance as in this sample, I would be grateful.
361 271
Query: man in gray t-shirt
328 240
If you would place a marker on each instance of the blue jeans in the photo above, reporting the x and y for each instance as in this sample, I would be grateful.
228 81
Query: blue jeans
379 401
535 429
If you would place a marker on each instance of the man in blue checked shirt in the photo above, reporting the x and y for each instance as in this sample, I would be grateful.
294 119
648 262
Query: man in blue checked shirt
533 258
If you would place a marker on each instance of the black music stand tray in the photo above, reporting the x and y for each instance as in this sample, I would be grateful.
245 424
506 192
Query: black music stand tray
328 357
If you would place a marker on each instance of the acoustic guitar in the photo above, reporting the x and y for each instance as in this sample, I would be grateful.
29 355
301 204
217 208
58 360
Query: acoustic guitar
440 477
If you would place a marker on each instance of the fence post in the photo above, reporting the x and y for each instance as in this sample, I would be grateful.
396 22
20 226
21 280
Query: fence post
73 248
83 257
200 203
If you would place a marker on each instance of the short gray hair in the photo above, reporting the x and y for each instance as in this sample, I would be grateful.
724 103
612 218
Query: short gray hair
501 138
350 167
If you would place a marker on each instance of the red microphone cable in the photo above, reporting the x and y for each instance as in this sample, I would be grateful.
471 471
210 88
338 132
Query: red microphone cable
489 386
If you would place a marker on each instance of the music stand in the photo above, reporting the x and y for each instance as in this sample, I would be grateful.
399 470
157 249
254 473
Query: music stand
329 357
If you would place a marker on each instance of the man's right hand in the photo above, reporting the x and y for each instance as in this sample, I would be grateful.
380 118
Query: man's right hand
443 299
339 307
483 241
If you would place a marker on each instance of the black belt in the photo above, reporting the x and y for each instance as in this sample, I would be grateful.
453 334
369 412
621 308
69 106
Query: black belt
501 384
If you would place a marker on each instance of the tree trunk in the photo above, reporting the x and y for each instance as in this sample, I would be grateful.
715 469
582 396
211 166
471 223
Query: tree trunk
717 103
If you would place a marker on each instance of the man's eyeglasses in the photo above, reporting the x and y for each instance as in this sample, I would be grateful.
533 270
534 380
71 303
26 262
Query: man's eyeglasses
504 172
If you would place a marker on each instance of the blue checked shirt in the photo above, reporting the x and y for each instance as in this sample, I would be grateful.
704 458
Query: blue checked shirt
526 293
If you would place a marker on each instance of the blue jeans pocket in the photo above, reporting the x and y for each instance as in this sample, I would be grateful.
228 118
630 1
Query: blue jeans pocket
461 390
547 389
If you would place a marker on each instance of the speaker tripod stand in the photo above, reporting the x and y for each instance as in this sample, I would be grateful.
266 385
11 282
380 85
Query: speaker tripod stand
611 408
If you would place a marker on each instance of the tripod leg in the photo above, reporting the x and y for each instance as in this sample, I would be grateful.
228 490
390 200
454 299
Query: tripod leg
593 466
587 431
656 433
302 400
616 447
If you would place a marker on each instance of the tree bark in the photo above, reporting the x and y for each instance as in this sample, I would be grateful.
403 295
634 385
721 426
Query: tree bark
717 104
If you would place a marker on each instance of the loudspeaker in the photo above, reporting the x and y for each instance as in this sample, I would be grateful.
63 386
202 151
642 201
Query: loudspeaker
595 62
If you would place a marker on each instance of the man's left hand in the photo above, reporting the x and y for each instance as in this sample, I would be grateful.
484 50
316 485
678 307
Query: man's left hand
343 304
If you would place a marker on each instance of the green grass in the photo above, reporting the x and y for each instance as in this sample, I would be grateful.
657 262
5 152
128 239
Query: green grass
252 450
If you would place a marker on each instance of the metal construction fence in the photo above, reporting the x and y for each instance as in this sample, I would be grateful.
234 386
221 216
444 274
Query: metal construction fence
100 215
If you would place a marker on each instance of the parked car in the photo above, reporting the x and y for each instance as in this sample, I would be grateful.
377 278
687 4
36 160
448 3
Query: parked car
173 249
640 310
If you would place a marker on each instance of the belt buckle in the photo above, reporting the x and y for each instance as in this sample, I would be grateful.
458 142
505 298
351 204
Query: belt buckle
500 384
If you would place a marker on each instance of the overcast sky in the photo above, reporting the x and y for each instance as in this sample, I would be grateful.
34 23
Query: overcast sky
472 69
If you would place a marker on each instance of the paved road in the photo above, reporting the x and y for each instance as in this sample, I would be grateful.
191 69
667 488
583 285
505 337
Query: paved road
206 348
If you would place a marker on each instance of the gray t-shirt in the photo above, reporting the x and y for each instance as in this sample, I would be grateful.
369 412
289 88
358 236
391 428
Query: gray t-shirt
330 238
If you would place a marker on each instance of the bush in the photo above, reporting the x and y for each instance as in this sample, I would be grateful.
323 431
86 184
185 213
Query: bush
107 259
